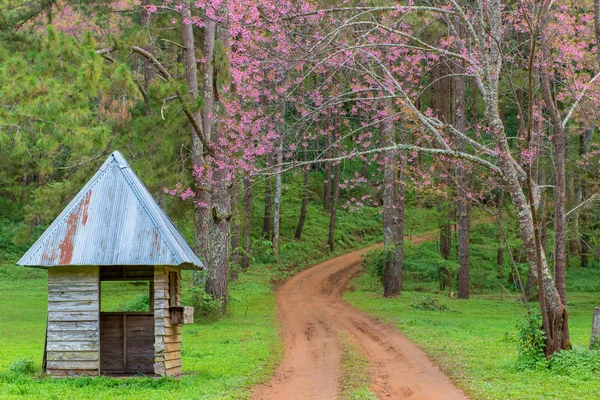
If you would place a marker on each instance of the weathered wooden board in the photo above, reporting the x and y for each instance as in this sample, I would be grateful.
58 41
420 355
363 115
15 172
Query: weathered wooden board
72 296
73 306
73 326
77 286
172 339
174 371
73 346
172 363
62 372
67 336
188 315
172 355
73 355
64 316
72 365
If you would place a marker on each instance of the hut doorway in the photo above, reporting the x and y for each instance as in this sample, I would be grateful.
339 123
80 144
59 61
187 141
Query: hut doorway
126 320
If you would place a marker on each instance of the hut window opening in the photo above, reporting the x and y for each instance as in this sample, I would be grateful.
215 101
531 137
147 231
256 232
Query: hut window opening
125 296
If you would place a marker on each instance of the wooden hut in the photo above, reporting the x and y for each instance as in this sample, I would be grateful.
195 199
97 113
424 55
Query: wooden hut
112 230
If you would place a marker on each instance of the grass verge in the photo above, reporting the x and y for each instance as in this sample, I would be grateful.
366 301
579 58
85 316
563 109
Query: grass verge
356 378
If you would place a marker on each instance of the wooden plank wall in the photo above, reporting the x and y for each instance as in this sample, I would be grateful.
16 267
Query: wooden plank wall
167 341
73 341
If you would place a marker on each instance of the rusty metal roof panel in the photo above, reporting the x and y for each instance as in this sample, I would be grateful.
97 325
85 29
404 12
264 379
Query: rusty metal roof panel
113 220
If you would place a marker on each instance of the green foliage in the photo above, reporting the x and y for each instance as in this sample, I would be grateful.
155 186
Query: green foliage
430 303
206 309
581 363
531 340
139 303
376 260
24 366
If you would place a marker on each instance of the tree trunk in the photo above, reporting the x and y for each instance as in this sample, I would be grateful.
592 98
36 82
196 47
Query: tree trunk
392 272
560 218
277 199
463 206
235 250
334 204
220 201
218 255
147 69
441 102
500 251
201 210
266 230
327 183
298 233
247 223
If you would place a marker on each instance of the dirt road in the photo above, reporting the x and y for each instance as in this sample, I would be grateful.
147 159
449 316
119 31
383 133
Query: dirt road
313 314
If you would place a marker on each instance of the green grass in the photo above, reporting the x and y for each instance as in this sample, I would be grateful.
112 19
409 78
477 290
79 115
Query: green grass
356 378
469 341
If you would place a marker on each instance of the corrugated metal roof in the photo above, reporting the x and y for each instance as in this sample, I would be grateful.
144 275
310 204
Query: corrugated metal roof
113 220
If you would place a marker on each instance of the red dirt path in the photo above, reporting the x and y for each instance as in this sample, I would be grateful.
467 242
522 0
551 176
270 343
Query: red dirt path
313 314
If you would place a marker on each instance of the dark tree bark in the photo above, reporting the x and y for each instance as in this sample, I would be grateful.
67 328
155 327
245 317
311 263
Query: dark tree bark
277 198
147 69
300 226
267 219
441 101
393 210
334 204
247 223
201 210
560 218
220 203
328 177
463 206
500 251
235 251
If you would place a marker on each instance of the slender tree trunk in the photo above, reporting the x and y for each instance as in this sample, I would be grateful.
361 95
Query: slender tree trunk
235 250
392 272
147 69
334 205
277 199
463 205
584 239
298 233
500 251
201 210
560 218
247 223
441 102
327 183
267 219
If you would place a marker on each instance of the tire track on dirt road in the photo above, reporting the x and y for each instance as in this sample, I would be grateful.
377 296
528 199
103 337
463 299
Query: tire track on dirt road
313 314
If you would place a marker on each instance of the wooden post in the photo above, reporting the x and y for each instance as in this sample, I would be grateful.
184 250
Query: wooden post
595 329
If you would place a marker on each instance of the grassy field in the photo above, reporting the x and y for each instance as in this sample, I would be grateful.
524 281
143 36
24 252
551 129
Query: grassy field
472 342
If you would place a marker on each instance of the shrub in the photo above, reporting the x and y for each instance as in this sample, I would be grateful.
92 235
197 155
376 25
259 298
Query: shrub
427 303
139 303
531 340
24 366
576 362
376 260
